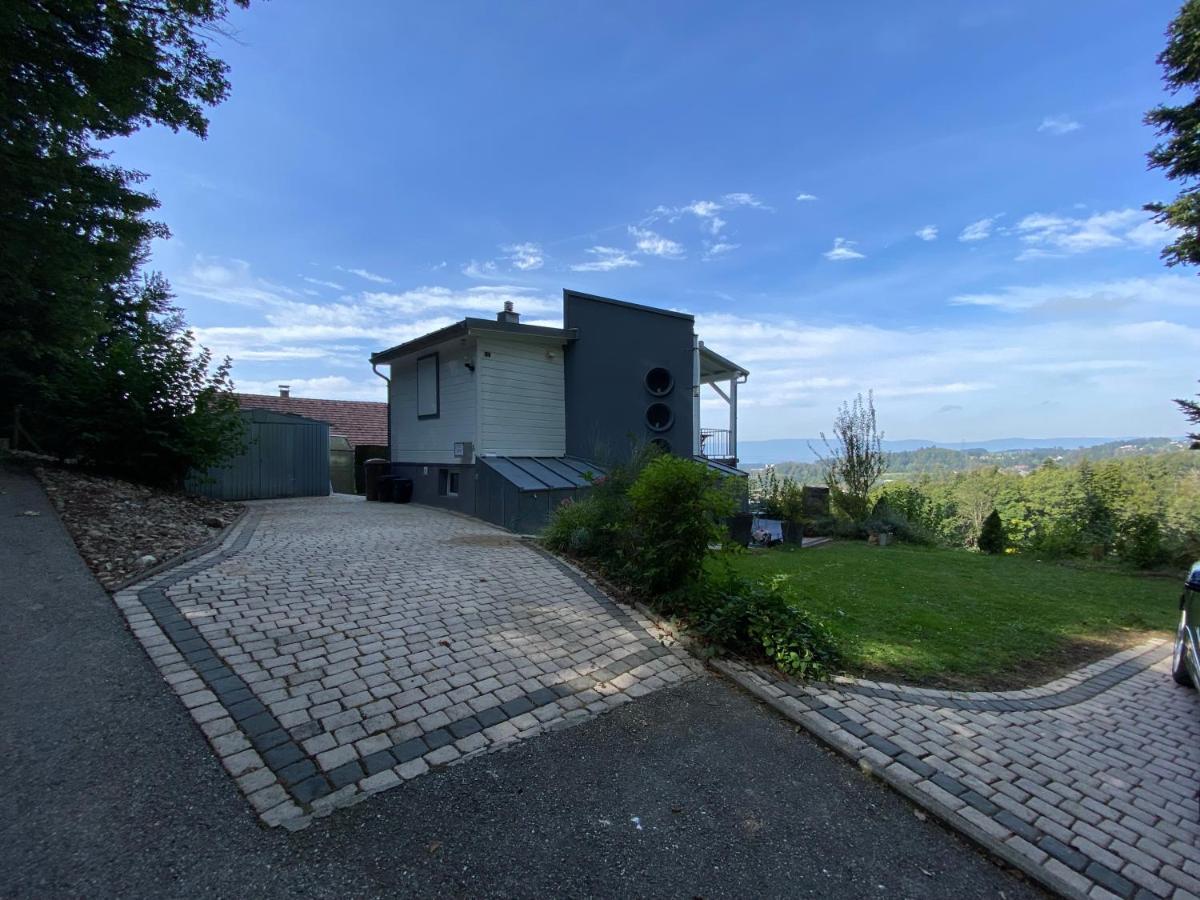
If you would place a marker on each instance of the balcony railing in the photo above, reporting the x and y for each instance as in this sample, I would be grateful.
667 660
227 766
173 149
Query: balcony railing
716 443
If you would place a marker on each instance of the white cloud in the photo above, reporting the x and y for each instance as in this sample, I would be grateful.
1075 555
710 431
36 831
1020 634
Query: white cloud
332 387
804 198
714 249
606 259
928 233
483 270
741 198
366 276
526 256
978 231
653 244
843 250
321 283
706 211
1047 235
1058 125
1098 376
1091 298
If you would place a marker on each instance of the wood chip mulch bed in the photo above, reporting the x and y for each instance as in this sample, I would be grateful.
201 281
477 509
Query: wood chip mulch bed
122 529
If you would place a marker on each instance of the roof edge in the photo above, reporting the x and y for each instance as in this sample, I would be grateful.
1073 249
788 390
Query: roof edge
628 305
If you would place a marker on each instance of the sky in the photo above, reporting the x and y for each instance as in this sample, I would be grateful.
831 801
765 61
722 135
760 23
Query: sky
937 201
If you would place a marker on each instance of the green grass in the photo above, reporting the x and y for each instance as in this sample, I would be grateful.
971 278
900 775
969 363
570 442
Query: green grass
957 619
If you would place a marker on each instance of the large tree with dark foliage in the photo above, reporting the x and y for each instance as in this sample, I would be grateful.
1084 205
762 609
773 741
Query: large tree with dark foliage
73 227
1191 409
1178 154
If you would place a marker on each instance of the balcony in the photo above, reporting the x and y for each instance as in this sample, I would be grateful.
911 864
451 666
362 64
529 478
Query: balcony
717 444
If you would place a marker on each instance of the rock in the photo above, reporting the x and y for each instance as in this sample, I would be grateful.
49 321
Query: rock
147 560
214 522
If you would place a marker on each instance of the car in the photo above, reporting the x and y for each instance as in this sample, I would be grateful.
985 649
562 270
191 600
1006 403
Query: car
1185 662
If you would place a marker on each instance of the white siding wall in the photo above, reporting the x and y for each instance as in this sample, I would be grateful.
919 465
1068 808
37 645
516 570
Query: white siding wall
521 407
432 440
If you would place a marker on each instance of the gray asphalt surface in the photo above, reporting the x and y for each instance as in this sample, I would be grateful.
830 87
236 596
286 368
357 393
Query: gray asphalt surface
107 787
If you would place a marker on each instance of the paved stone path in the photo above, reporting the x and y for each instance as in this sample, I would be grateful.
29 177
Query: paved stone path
1088 783
331 648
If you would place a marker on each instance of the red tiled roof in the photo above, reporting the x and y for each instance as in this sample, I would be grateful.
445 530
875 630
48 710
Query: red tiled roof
361 421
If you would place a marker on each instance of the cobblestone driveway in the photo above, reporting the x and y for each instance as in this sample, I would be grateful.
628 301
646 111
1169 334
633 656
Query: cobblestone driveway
332 648
1088 783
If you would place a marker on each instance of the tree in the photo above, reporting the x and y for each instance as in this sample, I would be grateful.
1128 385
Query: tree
992 538
855 460
149 408
1191 411
73 227
1178 154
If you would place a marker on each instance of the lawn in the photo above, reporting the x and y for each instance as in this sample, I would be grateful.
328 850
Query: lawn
950 618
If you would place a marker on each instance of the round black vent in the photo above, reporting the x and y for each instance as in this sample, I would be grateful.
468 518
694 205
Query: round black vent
659 416
662 444
659 381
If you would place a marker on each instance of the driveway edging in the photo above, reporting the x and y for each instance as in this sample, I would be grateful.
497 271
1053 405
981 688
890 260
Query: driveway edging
1034 811
835 741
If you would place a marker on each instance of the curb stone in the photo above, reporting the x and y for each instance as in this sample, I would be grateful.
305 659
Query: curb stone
995 837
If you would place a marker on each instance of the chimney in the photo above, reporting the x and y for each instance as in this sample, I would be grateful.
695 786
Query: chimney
285 391
508 314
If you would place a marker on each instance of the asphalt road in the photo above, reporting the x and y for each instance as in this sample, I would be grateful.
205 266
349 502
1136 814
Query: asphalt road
107 787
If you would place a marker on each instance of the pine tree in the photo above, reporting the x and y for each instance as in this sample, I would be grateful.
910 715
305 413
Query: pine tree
992 538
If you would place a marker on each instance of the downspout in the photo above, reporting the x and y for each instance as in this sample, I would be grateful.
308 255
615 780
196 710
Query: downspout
375 369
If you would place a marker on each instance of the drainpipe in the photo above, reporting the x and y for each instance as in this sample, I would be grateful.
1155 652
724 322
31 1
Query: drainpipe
375 369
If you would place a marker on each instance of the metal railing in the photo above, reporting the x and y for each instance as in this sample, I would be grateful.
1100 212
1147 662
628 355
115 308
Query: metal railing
716 443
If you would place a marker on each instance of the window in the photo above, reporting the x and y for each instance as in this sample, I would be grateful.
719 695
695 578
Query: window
452 485
428 392
448 482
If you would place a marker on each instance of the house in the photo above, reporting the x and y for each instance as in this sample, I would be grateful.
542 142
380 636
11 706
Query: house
357 430
503 420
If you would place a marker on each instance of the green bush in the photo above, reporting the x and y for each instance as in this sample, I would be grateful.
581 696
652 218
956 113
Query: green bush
596 526
781 498
678 508
992 538
757 617
1140 542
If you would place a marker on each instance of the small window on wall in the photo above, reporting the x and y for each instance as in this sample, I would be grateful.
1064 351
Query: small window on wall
428 393
448 482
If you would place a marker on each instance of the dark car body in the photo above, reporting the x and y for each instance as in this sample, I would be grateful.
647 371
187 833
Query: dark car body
1185 663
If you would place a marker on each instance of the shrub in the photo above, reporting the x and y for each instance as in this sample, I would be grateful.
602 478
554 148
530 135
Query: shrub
1140 542
678 509
781 498
992 538
596 525
758 617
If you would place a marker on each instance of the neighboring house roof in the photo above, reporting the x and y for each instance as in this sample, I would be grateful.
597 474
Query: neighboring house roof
470 326
359 421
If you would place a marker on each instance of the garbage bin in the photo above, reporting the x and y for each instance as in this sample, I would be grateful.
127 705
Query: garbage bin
386 487
373 470
402 490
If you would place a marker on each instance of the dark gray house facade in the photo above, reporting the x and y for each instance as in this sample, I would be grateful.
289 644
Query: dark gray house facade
503 420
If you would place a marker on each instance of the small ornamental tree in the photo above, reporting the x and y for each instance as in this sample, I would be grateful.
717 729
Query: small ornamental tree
854 459
992 538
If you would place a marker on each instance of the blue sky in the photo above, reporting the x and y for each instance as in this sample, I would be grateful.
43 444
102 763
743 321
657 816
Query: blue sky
939 201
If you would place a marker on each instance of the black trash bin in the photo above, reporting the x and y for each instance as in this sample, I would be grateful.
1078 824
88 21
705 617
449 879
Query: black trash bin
385 488
373 470
402 490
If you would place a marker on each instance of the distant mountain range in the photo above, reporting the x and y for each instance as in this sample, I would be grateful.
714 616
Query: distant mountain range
761 453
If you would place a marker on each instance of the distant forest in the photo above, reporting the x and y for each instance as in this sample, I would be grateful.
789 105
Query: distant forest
903 465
